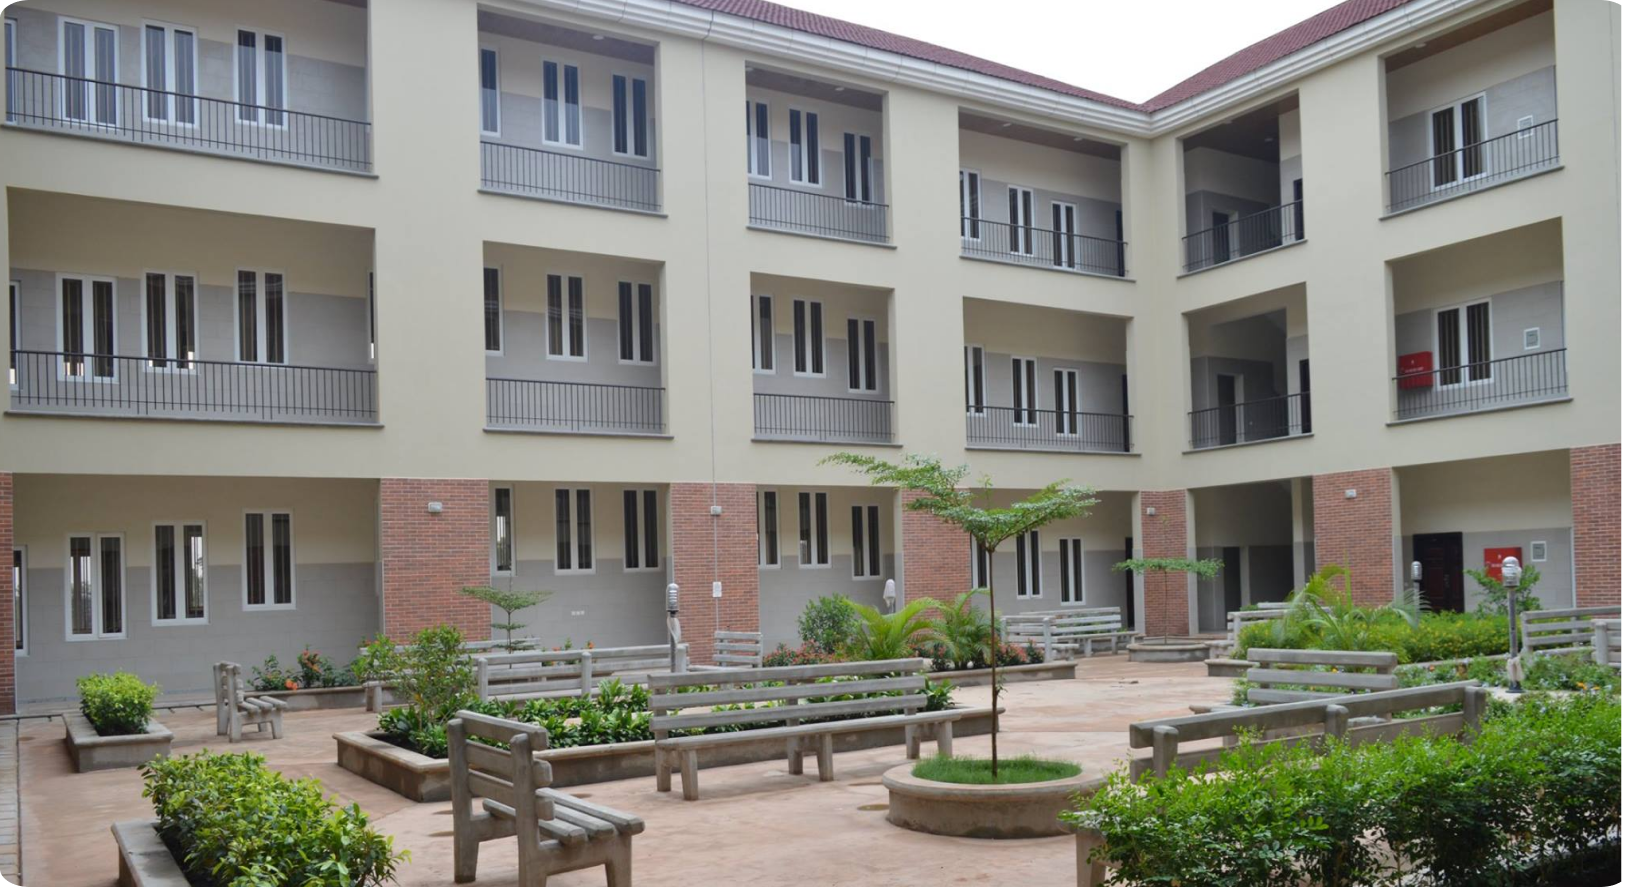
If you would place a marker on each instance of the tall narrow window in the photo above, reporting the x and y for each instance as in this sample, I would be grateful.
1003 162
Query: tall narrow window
865 538
1028 564
1066 402
96 594
968 195
169 72
12 289
808 339
373 331
862 354
1021 219
763 334
1064 239
19 599
86 326
1463 343
640 529
769 552
179 579
1458 151
574 531
636 323
973 385
492 309
490 104
629 117
758 139
1024 391
857 167
170 319
13 83
978 564
503 530
262 315
564 304
804 145
262 80
268 560
88 56
562 116
812 539
1070 588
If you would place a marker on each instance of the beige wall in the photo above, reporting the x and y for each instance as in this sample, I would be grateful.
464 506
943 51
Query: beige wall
1469 68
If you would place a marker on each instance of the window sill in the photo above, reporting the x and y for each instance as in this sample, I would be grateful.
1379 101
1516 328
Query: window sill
566 432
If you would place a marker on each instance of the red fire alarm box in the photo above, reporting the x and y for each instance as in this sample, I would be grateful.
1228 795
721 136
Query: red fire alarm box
1415 370
1494 560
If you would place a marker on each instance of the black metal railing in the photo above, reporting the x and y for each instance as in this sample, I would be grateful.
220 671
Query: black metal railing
810 212
1028 429
1267 419
1244 236
1042 248
1467 388
815 418
1474 166
570 177
116 385
57 102
582 407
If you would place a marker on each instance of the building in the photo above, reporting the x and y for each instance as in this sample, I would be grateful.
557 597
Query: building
1350 295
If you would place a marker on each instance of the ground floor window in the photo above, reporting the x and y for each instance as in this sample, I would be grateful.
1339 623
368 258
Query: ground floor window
19 614
574 531
1028 564
179 573
812 539
95 586
640 547
867 541
1070 586
268 560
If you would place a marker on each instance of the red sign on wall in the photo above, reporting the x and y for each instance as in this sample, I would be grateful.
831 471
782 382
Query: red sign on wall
1494 560
1415 370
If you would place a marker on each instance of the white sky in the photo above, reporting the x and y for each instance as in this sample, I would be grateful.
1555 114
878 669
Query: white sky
1130 49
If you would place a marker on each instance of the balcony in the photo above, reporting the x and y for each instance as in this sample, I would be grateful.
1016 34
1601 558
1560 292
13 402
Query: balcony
1243 236
1489 385
573 407
1006 428
570 178
821 215
1268 419
1250 370
82 384
1475 167
1242 186
1042 248
135 115
818 419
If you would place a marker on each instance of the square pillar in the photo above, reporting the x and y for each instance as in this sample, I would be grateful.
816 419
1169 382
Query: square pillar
1355 524
936 555
8 643
426 558
710 548
1163 531
1593 480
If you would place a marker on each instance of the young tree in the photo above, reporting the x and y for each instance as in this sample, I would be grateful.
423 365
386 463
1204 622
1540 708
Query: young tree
1205 569
511 602
970 508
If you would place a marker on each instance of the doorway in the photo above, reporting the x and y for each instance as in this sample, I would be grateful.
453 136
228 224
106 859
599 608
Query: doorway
1232 598
1129 612
1219 237
1227 404
1442 560
1303 371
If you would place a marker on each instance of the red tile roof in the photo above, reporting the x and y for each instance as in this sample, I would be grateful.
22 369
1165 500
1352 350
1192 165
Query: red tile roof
1254 57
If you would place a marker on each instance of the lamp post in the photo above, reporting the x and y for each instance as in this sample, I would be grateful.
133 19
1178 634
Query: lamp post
1510 575
888 595
1415 575
673 627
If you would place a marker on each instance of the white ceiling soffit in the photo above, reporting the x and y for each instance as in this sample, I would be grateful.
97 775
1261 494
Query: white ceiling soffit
679 18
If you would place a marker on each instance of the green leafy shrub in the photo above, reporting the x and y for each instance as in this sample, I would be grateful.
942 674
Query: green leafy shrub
1568 672
434 674
312 670
1437 636
230 821
806 654
962 628
376 661
827 623
1494 591
118 704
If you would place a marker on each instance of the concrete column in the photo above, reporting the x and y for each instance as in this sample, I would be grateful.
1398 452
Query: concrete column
426 557
1593 475
1301 529
936 555
1163 531
710 548
8 644
1355 524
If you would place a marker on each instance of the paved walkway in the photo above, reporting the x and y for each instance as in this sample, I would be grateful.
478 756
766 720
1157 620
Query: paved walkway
754 825
10 858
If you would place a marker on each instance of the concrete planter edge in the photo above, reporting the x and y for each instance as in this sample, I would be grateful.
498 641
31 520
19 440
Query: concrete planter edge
1025 810
144 860
90 752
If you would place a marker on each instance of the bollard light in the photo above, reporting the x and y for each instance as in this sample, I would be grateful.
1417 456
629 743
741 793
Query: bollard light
1415 571
1510 575
888 594
673 598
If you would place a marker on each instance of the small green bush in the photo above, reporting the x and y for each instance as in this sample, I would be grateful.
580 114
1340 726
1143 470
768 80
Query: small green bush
1568 672
806 654
312 670
233 823
118 704
1439 636
827 623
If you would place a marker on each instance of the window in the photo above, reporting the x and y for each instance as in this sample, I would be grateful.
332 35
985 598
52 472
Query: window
769 551
1071 591
1024 391
1021 219
503 530
88 56
562 117
968 195
492 309
1066 403
95 586
636 323
1029 564
86 321
13 83
857 167
262 80
629 118
490 104
261 317
758 139
640 530
978 564
19 599
1536 554
812 547
1463 344
1064 242
565 318
12 292
180 573
574 531
973 383
763 322
862 354
1457 145
866 540
170 73
268 560
373 332
170 320
804 146
808 341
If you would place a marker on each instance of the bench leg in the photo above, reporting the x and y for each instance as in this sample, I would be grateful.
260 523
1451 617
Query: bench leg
913 744
942 735
665 776
1087 873
795 757
277 725
687 775
466 851
620 862
823 757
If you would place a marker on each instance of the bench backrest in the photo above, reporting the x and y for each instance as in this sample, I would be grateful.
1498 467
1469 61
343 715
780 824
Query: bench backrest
1607 642
1548 632
738 648
508 774
538 672
1330 714
803 693
1275 672
1035 623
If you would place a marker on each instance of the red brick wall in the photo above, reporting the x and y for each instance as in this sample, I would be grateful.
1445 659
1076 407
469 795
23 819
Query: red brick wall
935 554
1593 474
8 646
696 532
1357 533
427 558
1165 534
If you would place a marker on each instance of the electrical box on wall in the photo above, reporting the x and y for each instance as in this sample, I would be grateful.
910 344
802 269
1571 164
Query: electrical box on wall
1415 370
1494 559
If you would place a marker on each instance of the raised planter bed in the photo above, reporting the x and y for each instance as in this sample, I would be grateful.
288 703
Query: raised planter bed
421 778
323 698
1025 810
1012 674
1172 651
144 860
1227 668
90 752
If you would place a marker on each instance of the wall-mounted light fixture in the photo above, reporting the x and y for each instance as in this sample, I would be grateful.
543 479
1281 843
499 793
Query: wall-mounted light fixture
433 507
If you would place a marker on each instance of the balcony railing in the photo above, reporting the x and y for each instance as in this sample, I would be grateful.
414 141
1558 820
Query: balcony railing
113 385
1268 419
572 178
810 212
573 407
1029 429
1468 388
1244 236
811 418
1042 248
134 114
1473 167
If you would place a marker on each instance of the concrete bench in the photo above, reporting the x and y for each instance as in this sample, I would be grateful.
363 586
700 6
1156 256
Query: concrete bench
1068 633
374 691
787 697
555 831
1239 619
236 709
1557 632
555 673
1607 642
744 649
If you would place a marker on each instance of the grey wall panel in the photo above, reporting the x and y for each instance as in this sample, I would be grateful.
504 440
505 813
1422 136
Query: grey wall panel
1271 576
1104 586
526 354
1201 204
611 607
784 592
1096 218
1530 95
521 123
836 381
1099 383
1510 314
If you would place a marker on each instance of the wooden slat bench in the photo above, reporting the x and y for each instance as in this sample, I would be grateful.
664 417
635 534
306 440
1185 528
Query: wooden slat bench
1068 633
1607 643
1554 632
235 708
673 694
555 831
555 673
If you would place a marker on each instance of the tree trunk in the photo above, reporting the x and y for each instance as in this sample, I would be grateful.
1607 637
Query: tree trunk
990 558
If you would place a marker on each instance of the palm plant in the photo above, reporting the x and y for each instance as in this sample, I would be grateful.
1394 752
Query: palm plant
962 628
1325 613
879 635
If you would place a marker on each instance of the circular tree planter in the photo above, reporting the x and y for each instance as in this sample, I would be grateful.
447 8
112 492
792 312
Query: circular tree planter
1022 810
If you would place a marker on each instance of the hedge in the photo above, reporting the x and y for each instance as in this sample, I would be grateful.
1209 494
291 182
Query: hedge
118 704
1439 636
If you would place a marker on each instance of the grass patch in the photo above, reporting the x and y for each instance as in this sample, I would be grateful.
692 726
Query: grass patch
976 771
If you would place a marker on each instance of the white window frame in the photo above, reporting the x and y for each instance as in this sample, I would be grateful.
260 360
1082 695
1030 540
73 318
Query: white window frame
497 88
260 78
863 179
1465 345
90 118
1024 227
573 541
1068 247
180 577
499 271
871 519
87 319
970 377
260 317
629 122
492 520
1072 585
373 321
877 363
817 529
566 278
20 632
811 340
170 337
562 114
1538 551
766 546
633 321
799 155
1460 139
1025 412
1066 408
14 335
171 79
641 529
754 133
1031 547
759 332
972 198
96 633
975 556
11 62
266 541
1525 127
